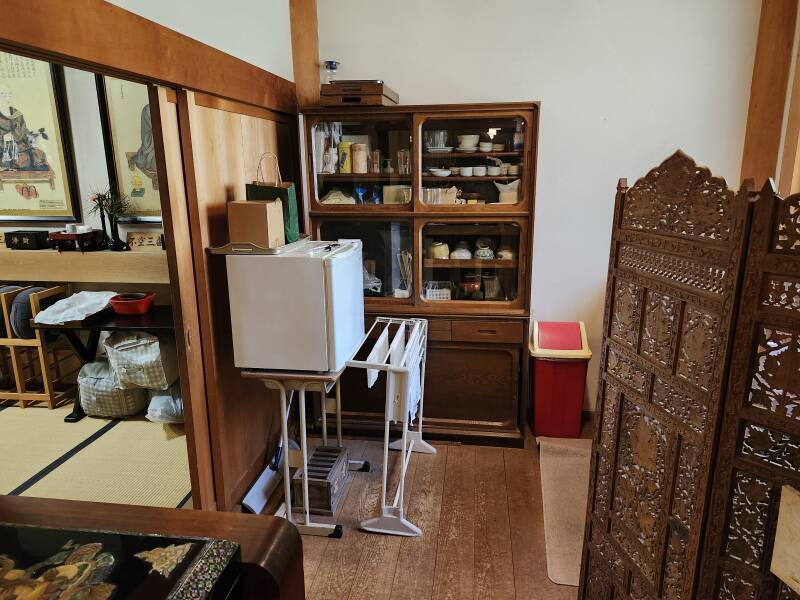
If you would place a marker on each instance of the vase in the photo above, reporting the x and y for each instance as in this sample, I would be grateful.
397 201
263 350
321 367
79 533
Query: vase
115 244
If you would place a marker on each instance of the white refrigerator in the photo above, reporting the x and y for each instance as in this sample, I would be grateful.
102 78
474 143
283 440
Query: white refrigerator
302 310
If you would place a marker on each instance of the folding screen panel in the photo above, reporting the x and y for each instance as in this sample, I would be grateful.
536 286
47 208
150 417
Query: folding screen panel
759 448
675 256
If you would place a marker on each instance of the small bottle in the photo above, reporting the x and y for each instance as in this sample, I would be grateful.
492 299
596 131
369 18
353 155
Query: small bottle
519 138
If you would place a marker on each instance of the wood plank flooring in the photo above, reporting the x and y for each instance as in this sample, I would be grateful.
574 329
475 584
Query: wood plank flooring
480 510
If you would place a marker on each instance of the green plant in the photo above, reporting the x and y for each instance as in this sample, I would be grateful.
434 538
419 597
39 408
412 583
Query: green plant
110 202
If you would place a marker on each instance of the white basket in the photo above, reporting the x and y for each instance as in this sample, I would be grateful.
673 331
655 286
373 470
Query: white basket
438 290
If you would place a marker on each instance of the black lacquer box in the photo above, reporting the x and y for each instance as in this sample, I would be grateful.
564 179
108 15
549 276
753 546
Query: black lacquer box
61 563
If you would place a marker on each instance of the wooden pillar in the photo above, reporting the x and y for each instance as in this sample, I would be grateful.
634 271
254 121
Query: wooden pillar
305 51
768 89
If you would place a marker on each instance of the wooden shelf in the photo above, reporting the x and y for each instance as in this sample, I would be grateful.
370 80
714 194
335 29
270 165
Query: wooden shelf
87 267
454 263
472 178
362 177
469 154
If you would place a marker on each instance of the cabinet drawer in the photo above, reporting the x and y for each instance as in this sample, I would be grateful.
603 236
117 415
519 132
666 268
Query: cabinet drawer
439 330
505 332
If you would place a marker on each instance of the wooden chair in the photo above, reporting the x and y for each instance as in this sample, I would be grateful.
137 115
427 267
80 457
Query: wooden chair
35 358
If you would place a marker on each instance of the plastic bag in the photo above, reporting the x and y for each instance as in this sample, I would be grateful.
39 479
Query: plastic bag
166 406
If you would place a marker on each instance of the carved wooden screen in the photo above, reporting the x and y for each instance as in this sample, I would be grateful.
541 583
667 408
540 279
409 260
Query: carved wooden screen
760 442
675 255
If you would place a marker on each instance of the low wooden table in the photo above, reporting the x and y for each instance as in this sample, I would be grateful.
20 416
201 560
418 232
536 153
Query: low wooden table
272 554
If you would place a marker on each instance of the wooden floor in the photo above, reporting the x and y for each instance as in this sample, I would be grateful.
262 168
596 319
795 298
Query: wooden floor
480 510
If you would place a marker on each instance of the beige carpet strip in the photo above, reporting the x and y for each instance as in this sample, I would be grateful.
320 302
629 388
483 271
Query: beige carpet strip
136 462
34 437
565 485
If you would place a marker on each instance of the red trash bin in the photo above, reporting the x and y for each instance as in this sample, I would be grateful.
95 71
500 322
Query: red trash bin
561 355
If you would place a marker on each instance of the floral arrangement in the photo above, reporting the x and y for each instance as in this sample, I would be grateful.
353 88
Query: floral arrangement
111 203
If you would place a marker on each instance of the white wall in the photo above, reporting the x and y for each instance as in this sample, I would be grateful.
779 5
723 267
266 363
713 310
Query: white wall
623 83
257 31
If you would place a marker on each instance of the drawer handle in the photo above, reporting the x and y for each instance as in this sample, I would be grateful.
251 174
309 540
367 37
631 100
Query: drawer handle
488 331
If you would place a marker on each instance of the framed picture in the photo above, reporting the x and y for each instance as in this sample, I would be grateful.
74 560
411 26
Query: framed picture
130 153
37 167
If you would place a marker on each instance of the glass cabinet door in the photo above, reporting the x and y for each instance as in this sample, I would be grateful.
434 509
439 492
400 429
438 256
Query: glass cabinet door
386 254
474 262
473 160
362 161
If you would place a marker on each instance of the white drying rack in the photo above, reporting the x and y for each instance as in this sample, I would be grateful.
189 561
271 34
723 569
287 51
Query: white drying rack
399 350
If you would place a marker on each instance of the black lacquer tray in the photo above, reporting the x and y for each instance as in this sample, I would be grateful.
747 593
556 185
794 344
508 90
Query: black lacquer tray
77 564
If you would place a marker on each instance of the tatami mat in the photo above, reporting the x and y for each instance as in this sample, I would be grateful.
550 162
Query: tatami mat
34 437
136 462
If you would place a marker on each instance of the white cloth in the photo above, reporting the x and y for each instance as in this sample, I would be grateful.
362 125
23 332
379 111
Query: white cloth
74 308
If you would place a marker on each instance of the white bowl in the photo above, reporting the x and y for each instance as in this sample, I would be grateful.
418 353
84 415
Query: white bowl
440 172
468 140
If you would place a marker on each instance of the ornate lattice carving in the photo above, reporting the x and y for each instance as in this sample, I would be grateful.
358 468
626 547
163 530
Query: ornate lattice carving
610 555
691 409
639 590
748 519
675 566
608 428
733 587
683 504
602 486
660 324
781 292
775 385
674 269
787 233
626 312
639 489
773 447
697 354
680 198
598 587
626 371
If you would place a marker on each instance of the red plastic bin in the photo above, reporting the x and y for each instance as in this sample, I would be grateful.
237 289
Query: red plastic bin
561 355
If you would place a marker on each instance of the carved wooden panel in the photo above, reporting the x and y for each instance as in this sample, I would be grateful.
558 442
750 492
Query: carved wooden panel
676 250
759 446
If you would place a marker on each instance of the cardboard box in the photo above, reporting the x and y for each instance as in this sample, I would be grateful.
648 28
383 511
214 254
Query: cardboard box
258 222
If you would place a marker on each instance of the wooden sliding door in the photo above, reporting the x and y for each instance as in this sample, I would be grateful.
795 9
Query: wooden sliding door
675 256
221 143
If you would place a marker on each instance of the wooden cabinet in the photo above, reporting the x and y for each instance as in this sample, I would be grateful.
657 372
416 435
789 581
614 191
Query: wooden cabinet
442 185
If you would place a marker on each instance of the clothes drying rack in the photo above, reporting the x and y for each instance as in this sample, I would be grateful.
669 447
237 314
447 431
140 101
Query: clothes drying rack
399 350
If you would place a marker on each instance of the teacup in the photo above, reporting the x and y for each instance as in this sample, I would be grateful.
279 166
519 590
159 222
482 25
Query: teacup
455 170
485 146
513 170
478 171
493 171
466 171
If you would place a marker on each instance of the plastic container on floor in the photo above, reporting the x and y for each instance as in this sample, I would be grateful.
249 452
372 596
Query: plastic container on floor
561 355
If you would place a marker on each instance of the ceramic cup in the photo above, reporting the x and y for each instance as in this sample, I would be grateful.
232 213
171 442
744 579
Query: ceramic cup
455 170
468 141
478 171
71 228
83 229
513 170
493 171
485 146
466 171
503 169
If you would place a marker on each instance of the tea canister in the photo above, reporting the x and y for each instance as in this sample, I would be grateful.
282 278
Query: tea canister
360 160
345 158
483 251
439 250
